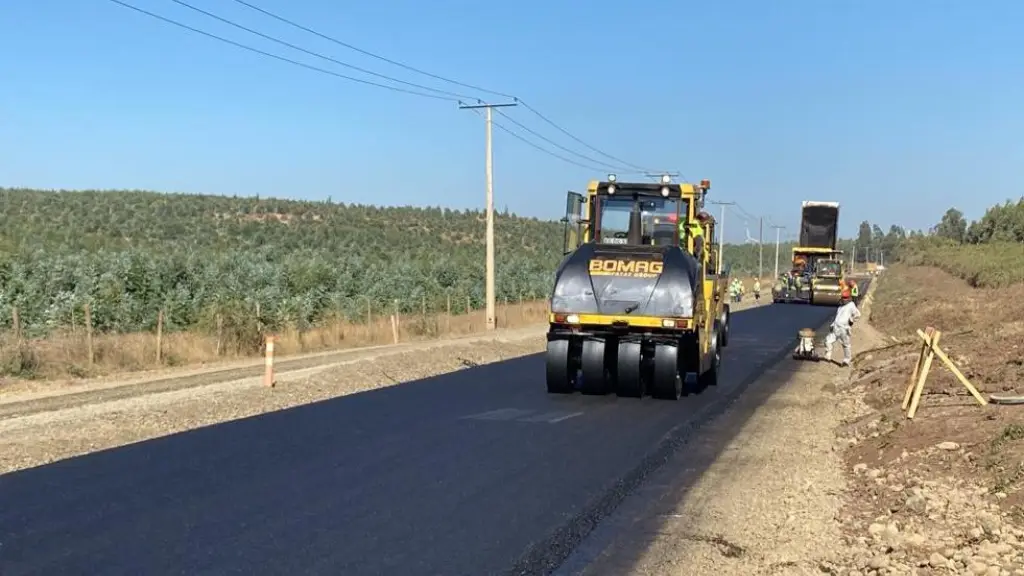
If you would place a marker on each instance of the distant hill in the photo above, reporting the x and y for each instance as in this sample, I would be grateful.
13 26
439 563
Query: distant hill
132 253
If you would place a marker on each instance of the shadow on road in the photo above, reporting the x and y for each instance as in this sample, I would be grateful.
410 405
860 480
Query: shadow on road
456 474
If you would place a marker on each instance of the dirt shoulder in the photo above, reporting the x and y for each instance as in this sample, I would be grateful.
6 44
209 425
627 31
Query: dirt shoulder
939 494
47 429
30 397
814 471
756 491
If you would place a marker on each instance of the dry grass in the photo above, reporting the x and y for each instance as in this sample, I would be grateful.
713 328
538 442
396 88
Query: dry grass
66 354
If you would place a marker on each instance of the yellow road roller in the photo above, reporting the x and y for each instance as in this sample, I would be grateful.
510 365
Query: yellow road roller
634 310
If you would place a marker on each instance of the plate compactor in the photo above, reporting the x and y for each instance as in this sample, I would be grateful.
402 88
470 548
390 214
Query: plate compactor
805 346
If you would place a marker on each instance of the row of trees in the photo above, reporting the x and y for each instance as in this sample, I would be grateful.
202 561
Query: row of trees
197 258
130 254
1000 223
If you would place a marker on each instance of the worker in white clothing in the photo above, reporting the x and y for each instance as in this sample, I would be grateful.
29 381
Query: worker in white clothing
841 328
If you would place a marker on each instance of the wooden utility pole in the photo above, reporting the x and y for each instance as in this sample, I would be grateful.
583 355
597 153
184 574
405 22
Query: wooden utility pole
489 282
721 233
778 237
760 248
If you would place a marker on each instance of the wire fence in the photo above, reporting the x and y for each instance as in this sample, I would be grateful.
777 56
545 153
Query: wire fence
79 350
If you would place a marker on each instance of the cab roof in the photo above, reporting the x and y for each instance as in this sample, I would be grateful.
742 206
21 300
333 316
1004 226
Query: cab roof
676 190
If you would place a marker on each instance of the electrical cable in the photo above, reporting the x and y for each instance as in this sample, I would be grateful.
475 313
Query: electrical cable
318 55
536 146
440 94
276 56
367 52
559 146
519 101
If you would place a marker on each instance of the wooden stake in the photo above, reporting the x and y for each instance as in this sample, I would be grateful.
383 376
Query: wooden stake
912 381
448 314
16 324
957 373
159 335
919 388
88 335
394 328
220 334
268 363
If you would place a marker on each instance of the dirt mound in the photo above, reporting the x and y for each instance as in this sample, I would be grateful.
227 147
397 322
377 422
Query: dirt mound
943 491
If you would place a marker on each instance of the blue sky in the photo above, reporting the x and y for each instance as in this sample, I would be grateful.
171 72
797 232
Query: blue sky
897 109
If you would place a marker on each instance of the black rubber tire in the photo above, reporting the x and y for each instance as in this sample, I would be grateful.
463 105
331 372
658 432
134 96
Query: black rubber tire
597 380
560 368
666 381
629 381
723 335
710 377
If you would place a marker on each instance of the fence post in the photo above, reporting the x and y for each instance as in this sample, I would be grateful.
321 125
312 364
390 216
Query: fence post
220 333
396 324
448 315
88 335
159 335
16 324
268 363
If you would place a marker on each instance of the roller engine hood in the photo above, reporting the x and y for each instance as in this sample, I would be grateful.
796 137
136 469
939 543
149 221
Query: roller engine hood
627 280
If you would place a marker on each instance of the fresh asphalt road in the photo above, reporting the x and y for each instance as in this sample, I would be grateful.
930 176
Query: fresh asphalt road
457 474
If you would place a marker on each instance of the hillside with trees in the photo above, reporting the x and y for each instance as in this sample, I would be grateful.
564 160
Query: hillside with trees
130 254
987 253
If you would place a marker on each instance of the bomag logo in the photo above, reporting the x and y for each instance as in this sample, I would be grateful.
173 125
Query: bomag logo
628 268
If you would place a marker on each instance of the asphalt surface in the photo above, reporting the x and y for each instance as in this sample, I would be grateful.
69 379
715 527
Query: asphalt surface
468 473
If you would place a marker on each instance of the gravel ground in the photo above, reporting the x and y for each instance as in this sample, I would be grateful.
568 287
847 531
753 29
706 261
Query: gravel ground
940 494
767 502
45 437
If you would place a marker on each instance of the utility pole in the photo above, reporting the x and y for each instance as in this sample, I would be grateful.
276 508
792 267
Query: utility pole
721 232
489 283
778 237
760 248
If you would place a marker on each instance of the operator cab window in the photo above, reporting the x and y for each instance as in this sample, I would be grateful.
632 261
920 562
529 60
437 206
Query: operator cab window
659 219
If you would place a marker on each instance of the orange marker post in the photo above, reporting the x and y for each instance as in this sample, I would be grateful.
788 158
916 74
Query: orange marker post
268 375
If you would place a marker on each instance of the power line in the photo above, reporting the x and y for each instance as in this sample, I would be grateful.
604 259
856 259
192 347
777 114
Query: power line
277 57
455 95
538 147
367 52
559 146
571 135
444 79
441 94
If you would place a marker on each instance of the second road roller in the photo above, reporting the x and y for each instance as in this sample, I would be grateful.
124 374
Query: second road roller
634 310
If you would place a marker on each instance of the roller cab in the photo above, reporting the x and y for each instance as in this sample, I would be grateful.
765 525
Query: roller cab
816 259
633 309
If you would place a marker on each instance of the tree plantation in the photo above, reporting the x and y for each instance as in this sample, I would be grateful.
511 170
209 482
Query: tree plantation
131 254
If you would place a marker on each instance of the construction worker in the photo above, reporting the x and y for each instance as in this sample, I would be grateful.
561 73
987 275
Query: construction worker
841 328
780 285
854 289
757 289
696 230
